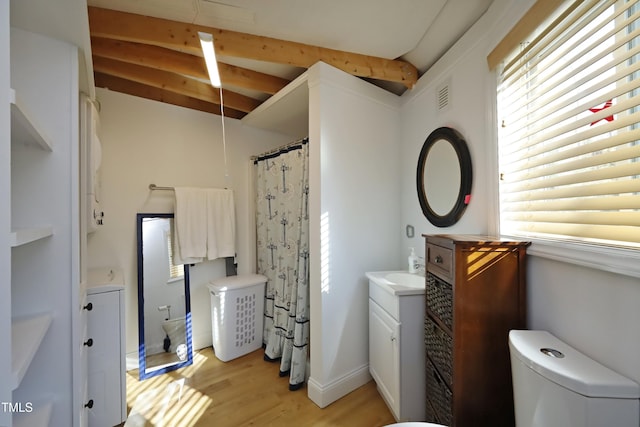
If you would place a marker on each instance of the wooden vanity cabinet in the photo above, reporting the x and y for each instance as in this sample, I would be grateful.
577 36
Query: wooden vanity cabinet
475 294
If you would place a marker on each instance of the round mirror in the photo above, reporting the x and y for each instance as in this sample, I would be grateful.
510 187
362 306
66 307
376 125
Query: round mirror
444 177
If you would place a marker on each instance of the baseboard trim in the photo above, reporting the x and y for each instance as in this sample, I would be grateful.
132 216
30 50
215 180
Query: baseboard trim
325 394
202 340
131 360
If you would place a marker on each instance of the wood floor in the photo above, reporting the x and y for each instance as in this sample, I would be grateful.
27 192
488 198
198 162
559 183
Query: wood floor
243 392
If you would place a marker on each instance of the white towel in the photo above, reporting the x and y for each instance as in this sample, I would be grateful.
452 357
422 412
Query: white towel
191 223
205 224
221 239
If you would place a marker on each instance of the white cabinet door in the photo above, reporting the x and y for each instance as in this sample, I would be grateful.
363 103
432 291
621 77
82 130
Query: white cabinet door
104 359
384 354
82 368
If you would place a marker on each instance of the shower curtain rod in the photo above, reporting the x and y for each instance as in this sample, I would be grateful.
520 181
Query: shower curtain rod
281 148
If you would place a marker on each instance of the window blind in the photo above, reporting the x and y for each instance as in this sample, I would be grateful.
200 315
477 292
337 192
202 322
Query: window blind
175 270
569 150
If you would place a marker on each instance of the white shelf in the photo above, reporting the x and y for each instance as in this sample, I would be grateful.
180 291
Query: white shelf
38 418
26 336
23 236
286 112
24 128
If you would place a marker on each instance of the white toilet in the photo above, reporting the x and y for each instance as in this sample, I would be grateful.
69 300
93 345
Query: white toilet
175 329
555 385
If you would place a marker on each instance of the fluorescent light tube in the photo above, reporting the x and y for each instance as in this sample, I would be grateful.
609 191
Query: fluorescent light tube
206 41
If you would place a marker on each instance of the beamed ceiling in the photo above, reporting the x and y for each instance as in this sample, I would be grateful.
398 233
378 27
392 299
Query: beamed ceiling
162 60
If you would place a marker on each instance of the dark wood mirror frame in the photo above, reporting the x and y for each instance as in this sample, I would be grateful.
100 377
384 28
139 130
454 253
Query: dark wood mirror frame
466 177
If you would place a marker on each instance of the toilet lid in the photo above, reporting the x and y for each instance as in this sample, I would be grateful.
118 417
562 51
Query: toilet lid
573 370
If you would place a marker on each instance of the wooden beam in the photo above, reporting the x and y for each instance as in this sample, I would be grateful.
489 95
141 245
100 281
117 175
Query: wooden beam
128 87
183 36
183 63
174 83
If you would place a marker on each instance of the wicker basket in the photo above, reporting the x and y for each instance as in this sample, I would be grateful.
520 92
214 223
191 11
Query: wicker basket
439 395
440 299
440 349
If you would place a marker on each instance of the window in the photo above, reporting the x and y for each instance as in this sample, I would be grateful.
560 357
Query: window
175 271
569 134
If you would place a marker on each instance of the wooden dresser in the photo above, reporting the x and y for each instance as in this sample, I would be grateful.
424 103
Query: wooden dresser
475 294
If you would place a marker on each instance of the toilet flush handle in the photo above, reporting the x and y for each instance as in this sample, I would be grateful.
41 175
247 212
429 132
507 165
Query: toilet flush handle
551 352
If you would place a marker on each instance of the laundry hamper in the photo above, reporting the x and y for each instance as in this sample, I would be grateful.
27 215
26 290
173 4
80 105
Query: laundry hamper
237 308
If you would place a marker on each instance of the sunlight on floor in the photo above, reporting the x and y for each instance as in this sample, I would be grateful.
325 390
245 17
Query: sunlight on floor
246 391
166 400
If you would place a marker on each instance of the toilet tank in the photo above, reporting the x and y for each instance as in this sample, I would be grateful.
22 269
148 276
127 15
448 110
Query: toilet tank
556 385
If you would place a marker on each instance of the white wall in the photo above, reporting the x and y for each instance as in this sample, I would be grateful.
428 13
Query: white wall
595 311
146 142
420 117
354 223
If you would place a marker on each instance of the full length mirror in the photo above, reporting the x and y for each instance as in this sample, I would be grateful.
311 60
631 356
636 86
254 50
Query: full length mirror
164 313
444 177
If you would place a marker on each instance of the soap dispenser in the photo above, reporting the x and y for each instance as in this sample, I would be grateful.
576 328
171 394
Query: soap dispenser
413 261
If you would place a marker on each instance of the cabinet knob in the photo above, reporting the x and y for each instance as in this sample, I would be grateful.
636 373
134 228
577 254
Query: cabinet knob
438 259
393 338
88 307
89 404
89 342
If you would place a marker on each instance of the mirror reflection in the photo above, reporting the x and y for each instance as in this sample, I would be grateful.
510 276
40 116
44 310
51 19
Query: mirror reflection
164 315
442 169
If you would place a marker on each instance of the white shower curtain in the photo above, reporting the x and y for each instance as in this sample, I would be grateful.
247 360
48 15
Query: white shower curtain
282 224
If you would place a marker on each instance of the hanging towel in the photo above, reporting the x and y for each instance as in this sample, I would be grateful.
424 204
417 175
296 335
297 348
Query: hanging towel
221 238
205 224
191 223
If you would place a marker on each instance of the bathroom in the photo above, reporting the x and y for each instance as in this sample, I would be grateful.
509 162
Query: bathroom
367 178
364 146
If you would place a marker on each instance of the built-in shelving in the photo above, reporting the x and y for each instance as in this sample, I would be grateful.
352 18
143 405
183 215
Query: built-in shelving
38 418
23 236
24 128
26 336
40 151
286 112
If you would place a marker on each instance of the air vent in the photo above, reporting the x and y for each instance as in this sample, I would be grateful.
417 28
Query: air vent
443 94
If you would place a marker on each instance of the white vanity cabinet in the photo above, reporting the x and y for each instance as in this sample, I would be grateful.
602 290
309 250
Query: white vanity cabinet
396 347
